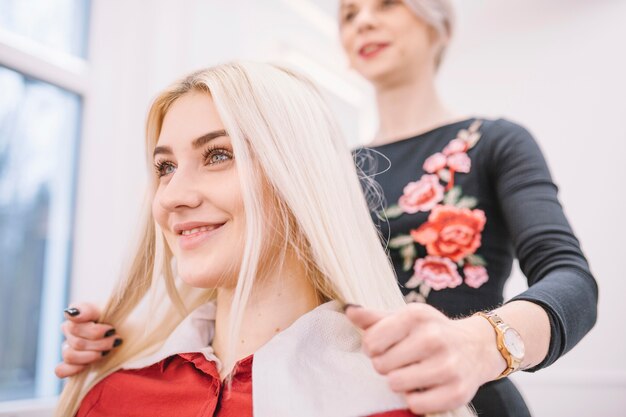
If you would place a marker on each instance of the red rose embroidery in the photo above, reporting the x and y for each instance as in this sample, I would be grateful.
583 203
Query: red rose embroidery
438 273
455 146
460 162
435 162
421 195
475 276
451 232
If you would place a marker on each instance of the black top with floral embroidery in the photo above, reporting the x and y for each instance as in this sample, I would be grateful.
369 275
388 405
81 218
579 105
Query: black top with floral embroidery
462 201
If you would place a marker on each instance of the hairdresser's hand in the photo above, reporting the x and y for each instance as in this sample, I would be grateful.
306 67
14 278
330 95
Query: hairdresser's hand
86 340
437 363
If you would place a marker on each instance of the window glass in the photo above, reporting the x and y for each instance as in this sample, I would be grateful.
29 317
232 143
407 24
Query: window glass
59 24
39 127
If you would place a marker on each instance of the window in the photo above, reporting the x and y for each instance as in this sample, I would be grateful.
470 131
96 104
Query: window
42 48
58 24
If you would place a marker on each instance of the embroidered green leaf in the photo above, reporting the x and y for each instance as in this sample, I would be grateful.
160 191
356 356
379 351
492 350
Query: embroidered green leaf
400 240
467 202
408 256
392 212
476 260
452 196
475 125
444 175
413 282
474 135
414 297
473 139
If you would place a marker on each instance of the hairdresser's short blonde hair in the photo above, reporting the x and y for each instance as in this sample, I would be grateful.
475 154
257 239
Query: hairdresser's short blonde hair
438 14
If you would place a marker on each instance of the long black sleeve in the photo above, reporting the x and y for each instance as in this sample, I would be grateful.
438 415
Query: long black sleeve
549 254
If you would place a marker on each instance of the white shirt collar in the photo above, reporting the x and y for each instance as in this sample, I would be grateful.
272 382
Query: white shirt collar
314 368
193 334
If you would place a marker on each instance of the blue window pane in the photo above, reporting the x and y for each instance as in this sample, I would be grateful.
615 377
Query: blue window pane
39 125
59 24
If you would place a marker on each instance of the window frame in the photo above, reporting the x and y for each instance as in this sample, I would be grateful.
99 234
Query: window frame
71 73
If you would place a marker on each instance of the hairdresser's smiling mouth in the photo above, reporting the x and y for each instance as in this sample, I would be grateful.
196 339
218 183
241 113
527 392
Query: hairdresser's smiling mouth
371 49
193 234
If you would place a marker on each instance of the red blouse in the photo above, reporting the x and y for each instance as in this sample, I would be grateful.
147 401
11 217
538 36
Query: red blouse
181 385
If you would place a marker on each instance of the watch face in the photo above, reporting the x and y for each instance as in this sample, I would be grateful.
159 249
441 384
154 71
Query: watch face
514 344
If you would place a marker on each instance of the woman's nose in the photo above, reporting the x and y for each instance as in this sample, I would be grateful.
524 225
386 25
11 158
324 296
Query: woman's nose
180 192
365 19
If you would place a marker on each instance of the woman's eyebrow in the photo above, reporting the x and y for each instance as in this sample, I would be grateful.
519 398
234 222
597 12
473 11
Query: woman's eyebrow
196 143
346 5
202 140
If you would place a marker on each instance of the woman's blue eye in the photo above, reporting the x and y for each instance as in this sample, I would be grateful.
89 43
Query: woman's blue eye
214 156
217 158
164 168
348 17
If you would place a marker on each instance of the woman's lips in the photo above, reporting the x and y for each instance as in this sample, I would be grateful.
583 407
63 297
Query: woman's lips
194 237
370 50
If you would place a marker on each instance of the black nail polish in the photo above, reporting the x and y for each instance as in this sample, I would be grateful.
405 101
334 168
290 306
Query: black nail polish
117 342
106 352
348 305
71 311
109 333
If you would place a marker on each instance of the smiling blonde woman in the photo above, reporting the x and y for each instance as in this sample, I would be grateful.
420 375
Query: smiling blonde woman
256 201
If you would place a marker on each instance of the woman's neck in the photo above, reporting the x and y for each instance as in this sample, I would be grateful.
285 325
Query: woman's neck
278 299
409 108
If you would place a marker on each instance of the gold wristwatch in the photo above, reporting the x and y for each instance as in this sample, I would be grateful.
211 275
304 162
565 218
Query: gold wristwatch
508 341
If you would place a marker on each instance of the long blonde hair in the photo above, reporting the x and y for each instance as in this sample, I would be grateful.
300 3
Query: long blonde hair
281 129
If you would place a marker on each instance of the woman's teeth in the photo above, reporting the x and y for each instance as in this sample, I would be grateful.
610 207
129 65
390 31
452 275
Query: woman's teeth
197 230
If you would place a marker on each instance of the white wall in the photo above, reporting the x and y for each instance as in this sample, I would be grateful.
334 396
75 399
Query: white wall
555 66
558 67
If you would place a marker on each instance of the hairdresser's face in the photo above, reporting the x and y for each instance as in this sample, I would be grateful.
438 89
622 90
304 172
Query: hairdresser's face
384 40
198 201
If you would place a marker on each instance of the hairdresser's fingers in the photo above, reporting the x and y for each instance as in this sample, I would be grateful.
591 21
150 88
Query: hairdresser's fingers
63 370
77 357
88 330
434 371
364 318
100 345
396 327
439 399
410 350
82 312
449 361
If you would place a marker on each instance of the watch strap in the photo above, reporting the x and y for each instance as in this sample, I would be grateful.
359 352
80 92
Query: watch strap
500 327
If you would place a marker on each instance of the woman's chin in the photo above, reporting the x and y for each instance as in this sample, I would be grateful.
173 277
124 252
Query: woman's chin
205 279
378 74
